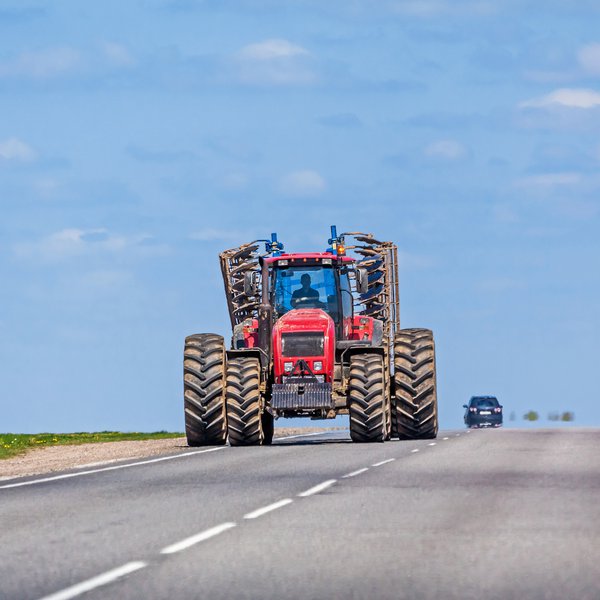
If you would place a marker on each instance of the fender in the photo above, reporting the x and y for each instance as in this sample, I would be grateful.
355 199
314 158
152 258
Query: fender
251 353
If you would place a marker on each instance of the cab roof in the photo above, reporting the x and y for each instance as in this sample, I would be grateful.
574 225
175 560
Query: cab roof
313 257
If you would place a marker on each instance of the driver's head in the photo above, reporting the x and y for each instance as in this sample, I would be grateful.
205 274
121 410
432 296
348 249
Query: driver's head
305 280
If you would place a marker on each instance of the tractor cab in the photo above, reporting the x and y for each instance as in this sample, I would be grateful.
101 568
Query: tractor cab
317 281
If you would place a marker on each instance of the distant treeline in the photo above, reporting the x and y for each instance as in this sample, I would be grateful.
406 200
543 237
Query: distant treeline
533 415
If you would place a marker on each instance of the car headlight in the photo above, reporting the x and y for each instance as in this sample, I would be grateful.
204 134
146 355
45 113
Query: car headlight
318 365
288 367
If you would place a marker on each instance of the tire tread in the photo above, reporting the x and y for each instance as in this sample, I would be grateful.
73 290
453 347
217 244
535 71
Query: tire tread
415 412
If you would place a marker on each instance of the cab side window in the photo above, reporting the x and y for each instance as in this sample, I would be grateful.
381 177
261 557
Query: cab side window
347 298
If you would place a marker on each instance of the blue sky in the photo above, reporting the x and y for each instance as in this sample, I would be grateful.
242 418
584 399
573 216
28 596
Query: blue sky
138 139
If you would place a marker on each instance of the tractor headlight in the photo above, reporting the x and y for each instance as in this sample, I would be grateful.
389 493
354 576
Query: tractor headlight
318 365
288 367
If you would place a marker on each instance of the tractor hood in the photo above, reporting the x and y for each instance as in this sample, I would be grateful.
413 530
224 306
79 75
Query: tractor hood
304 343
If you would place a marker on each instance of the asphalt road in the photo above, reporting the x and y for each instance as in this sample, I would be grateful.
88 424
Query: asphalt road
485 514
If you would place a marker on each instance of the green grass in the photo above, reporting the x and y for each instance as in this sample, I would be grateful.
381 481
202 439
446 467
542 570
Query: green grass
13 444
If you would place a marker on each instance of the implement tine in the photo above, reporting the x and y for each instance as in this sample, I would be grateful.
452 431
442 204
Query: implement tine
235 263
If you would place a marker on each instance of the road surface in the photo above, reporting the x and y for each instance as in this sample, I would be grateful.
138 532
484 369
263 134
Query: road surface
481 514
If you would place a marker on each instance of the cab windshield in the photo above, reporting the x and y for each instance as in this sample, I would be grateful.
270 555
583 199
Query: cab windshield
305 287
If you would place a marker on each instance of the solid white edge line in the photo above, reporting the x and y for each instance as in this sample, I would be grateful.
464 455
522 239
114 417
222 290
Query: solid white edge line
317 488
259 512
415 450
135 464
116 467
383 462
95 582
354 473
196 539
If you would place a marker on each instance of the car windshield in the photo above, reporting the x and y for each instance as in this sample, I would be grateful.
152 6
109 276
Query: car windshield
305 287
484 402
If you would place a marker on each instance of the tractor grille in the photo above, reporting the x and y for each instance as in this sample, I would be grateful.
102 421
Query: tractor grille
301 396
302 343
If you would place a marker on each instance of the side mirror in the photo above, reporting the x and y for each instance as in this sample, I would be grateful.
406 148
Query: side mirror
362 280
250 287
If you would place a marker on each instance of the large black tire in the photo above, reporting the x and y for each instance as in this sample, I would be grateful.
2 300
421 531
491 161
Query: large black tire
245 423
204 390
388 389
415 411
367 406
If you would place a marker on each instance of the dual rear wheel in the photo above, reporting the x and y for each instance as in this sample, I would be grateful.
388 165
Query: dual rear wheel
415 409
368 398
248 424
222 397
412 414
203 390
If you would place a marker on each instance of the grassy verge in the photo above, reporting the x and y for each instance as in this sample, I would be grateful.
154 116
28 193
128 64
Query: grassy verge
12 444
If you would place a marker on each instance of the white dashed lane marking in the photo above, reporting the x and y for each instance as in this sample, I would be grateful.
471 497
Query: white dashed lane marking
110 576
317 488
354 473
196 539
383 462
259 512
96 582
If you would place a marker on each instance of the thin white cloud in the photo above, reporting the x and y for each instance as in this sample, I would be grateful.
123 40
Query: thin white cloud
549 180
446 149
274 62
302 183
72 242
57 246
42 64
46 186
271 49
234 181
436 8
14 149
503 213
565 97
118 55
589 58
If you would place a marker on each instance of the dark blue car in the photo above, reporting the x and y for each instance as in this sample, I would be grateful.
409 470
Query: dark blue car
483 411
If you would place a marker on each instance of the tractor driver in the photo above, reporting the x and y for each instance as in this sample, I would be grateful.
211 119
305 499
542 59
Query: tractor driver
305 294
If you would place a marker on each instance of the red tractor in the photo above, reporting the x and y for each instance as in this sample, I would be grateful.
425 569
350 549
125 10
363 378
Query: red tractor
314 334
